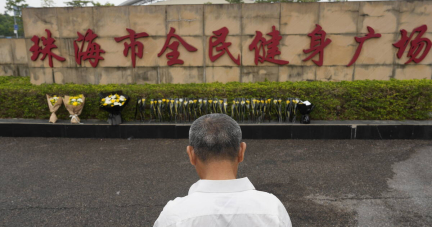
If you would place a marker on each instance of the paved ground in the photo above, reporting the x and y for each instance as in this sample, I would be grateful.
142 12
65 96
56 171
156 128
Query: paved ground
94 182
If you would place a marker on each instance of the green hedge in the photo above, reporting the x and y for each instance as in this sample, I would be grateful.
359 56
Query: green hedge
357 100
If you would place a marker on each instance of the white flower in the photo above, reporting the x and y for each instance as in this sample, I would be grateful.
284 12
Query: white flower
73 100
113 97
122 98
79 100
117 104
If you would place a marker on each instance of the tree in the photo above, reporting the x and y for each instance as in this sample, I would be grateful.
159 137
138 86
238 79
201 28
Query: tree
234 1
16 5
78 3
100 4
6 25
47 3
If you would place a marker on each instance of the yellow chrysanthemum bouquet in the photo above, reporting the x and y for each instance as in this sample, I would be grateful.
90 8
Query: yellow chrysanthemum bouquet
74 105
113 103
54 103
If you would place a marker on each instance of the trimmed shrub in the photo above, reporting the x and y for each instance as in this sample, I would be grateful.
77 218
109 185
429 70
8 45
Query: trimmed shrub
347 100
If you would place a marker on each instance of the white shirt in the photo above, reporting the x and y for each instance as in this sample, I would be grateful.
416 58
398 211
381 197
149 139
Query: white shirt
234 203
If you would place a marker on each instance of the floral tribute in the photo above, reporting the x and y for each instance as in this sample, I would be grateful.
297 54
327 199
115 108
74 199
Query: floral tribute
54 103
113 103
254 110
74 105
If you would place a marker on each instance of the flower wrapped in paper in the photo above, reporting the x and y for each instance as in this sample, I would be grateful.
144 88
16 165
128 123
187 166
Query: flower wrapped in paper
305 108
140 108
54 103
74 105
113 103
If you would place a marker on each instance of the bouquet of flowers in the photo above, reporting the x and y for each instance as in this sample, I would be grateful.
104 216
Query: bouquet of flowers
74 105
305 109
113 103
54 104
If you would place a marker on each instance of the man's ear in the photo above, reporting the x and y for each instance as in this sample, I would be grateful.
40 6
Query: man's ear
192 156
241 153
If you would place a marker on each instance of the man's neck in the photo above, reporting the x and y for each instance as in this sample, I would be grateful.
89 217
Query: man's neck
217 170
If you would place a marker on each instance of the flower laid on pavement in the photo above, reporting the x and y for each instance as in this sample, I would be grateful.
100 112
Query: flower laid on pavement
54 103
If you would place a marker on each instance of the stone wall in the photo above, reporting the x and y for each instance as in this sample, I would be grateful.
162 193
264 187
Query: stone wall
13 57
195 23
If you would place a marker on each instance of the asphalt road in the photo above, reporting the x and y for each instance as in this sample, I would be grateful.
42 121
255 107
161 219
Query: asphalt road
115 182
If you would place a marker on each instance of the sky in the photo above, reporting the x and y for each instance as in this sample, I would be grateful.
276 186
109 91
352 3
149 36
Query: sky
57 3
60 3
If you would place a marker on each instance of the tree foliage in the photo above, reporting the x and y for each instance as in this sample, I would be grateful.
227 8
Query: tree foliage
47 3
234 1
82 3
6 25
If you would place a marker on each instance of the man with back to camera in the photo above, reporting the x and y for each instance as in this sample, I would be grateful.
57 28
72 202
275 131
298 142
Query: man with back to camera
219 199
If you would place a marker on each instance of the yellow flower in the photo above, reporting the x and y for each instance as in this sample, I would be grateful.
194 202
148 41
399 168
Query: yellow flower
247 101
262 101
112 101
172 100
122 103
220 101
287 102
112 105
142 100
195 101
105 104
75 103
163 100
210 101
117 100
103 100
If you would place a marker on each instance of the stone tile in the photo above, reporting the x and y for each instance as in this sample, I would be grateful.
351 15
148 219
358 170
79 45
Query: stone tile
113 56
67 51
23 70
111 21
145 75
381 16
149 19
181 75
40 76
152 47
414 14
404 58
248 56
76 75
74 19
260 17
339 17
408 72
340 51
292 47
296 73
36 20
6 56
20 51
116 75
222 74
334 73
377 51
224 60
373 72
223 15
185 19
298 18
259 74
8 70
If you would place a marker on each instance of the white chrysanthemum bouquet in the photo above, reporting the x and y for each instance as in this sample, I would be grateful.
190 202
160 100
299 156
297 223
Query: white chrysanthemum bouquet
113 103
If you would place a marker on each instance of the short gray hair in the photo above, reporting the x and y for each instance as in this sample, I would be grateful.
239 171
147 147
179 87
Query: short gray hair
215 136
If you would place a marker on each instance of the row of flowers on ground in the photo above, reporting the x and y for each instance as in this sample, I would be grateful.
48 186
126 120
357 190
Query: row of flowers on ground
188 109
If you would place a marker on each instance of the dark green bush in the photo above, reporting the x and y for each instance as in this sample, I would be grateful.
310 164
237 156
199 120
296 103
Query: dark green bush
356 100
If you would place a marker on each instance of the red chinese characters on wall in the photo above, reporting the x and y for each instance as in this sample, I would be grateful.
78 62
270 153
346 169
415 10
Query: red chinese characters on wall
361 41
419 45
221 46
93 50
317 45
133 44
173 56
259 44
48 43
